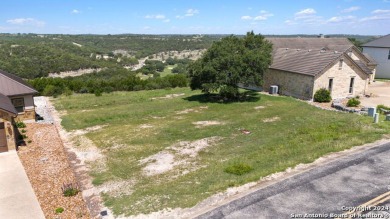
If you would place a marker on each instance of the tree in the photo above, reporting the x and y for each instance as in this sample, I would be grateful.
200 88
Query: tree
231 61
356 43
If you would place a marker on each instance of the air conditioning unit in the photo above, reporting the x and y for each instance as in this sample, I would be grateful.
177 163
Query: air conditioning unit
273 89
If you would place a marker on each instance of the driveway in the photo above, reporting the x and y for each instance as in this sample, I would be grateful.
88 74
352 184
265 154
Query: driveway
380 91
327 191
17 198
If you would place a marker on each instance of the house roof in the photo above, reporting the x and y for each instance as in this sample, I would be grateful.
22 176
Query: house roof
12 85
332 44
310 56
308 62
6 105
383 42
370 59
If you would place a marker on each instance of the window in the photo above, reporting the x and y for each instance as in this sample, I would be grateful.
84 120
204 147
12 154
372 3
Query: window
330 86
18 104
389 55
351 83
341 64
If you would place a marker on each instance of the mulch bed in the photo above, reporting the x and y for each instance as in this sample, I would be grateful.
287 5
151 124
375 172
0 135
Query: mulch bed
47 166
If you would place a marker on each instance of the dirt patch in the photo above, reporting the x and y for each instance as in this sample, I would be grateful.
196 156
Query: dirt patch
192 110
86 130
182 153
145 126
117 188
200 124
273 119
169 96
186 111
48 168
259 107
159 163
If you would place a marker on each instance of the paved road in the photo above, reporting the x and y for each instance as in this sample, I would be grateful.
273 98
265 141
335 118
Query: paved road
329 189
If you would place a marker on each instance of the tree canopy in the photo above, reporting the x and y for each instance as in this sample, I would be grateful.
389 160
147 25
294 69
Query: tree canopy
230 62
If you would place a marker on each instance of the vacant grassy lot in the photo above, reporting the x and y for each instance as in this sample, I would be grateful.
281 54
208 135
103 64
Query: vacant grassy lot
172 148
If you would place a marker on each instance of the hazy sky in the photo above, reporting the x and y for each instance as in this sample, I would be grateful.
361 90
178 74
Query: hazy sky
371 17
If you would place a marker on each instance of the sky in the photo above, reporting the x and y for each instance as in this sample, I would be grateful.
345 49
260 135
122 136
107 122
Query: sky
364 17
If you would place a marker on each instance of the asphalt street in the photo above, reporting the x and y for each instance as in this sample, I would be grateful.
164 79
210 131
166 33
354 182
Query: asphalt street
324 192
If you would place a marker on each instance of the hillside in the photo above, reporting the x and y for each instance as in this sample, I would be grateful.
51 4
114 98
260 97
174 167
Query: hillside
31 55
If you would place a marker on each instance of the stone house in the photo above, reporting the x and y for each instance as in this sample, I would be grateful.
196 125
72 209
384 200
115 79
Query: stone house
379 49
301 66
16 104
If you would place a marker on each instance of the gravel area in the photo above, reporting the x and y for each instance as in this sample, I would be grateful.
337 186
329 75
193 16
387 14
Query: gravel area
43 109
48 168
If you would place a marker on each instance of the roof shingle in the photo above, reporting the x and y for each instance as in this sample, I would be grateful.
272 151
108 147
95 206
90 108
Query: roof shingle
6 105
11 85
332 44
308 62
383 42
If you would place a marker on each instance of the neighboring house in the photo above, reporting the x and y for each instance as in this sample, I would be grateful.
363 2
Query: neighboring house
301 66
7 134
20 93
16 103
379 49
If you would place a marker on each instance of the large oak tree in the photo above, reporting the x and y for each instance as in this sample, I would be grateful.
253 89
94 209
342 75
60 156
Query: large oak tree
230 62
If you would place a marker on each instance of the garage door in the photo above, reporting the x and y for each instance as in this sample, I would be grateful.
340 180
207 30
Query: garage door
3 140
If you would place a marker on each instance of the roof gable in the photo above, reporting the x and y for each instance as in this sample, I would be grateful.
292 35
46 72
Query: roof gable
6 105
11 85
383 42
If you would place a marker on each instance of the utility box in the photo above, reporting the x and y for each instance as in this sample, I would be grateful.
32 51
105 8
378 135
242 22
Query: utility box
371 111
274 89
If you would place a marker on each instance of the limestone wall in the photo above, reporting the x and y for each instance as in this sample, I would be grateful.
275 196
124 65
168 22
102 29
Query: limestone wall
341 80
290 84
9 129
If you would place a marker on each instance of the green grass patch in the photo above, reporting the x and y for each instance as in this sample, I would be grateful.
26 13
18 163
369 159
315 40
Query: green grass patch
238 169
167 70
284 132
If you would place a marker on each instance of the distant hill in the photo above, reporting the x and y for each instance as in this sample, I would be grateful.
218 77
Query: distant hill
37 55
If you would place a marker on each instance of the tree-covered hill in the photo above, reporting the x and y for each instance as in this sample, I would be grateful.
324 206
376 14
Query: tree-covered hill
33 55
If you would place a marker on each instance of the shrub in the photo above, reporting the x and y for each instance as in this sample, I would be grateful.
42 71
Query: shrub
353 102
70 189
382 107
322 95
238 169
22 136
20 125
51 90
23 131
59 210
98 93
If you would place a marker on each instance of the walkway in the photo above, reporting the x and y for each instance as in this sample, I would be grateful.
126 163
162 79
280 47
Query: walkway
17 198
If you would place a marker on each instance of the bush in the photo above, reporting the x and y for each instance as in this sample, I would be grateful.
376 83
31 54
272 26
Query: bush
322 96
20 125
238 169
381 108
51 90
353 102
70 190
59 210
